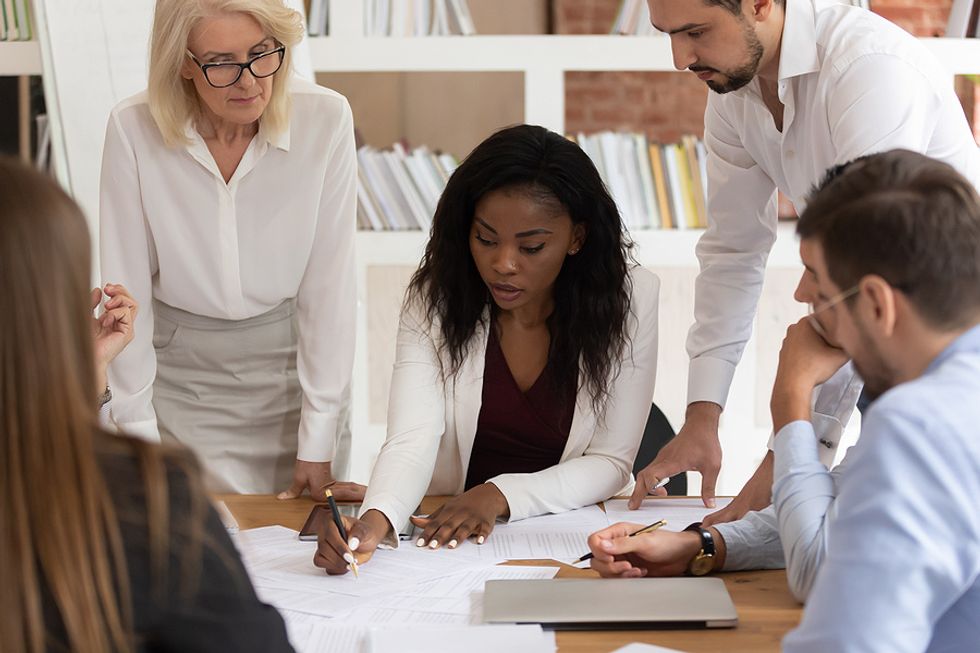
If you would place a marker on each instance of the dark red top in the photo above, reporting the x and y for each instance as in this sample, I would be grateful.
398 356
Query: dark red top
518 432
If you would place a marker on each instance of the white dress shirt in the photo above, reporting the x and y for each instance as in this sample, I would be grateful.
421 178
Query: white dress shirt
281 228
902 565
432 423
852 84
798 541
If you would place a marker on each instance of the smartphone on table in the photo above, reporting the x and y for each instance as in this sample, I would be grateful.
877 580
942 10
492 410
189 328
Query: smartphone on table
321 512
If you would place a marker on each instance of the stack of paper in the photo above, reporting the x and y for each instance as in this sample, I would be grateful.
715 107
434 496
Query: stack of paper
397 588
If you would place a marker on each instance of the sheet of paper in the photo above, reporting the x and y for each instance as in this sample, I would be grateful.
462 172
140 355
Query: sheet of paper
312 634
679 513
559 537
456 599
471 639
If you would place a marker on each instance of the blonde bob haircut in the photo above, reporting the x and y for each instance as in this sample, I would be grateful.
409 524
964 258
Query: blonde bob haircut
173 100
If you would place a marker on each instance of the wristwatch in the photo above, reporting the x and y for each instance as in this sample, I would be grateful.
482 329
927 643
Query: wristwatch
704 561
105 397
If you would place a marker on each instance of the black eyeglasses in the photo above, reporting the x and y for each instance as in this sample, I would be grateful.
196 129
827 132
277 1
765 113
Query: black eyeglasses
223 75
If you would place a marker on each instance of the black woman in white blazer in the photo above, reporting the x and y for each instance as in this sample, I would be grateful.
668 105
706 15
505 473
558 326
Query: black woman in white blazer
526 353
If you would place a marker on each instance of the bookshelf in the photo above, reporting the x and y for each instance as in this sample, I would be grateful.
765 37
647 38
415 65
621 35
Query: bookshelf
385 260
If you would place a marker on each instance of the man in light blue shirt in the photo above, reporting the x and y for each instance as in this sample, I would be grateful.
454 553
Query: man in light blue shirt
894 249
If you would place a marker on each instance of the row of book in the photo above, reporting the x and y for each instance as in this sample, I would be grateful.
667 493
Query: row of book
633 17
15 20
417 18
398 189
655 186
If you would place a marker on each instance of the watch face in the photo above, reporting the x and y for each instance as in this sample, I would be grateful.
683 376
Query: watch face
702 565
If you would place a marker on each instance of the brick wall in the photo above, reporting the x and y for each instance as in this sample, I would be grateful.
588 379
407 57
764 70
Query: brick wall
667 105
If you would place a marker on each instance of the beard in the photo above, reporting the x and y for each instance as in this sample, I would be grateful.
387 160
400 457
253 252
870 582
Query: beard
872 366
741 76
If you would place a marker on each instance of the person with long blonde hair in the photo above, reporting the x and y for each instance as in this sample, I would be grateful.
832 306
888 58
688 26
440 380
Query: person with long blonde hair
118 549
228 206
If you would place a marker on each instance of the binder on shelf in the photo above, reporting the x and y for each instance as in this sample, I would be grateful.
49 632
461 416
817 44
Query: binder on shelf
633 19
318 21
660 184
963 19
401 18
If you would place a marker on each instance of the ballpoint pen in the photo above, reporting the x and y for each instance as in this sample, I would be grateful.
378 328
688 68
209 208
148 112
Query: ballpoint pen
343 531
646 529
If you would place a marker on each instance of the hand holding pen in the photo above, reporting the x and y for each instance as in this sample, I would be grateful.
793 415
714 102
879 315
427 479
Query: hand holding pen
646 529
627 550
338 538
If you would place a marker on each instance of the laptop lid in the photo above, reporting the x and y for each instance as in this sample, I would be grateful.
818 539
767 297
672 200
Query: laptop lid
610 604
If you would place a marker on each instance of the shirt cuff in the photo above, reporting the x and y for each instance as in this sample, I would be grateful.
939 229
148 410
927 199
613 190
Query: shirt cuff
796 444
709 379
317 437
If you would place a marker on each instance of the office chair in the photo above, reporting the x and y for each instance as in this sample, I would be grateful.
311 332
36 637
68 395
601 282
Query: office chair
657 433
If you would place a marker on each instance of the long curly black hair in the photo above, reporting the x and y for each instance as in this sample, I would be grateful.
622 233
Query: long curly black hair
588 326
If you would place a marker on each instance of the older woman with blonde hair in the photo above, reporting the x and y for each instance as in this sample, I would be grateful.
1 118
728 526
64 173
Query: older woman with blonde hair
118 550
228 208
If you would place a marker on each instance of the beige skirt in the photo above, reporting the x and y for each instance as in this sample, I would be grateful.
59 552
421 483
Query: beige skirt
229 390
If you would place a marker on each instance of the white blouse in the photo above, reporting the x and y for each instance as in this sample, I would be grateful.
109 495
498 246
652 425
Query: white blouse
281 228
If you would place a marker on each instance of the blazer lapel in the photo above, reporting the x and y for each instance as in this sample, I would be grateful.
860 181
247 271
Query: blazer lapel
468 394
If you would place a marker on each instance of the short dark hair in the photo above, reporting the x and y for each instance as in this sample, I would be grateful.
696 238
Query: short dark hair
909 219
734 6
592 295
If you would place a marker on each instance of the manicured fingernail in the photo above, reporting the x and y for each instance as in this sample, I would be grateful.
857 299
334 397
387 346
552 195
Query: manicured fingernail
282 495
452 544
434 544
481 540
421 542
711 503
353 543
348 558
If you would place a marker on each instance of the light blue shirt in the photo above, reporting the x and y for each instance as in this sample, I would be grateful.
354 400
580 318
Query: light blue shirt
902 565
754 541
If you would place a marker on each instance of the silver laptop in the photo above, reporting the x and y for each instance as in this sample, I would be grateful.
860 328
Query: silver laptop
610 604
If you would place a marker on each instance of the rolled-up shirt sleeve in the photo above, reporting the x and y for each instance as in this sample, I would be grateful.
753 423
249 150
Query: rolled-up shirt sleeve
128 257
326 302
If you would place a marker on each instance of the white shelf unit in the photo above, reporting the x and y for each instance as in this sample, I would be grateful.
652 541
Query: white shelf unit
544 60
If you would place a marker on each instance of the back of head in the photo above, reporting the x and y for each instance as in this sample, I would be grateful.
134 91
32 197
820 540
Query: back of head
909 219
53 503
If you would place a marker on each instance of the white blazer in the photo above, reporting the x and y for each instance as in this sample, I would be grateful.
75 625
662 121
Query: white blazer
432 424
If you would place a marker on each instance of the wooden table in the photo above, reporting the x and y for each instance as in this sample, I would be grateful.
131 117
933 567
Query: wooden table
766 609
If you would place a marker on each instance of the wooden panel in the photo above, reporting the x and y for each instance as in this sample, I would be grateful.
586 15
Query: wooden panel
385 288
777 310
676 318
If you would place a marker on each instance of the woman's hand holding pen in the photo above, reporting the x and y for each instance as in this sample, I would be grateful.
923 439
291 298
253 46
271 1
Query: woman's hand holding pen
471 514
363 537
662 553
